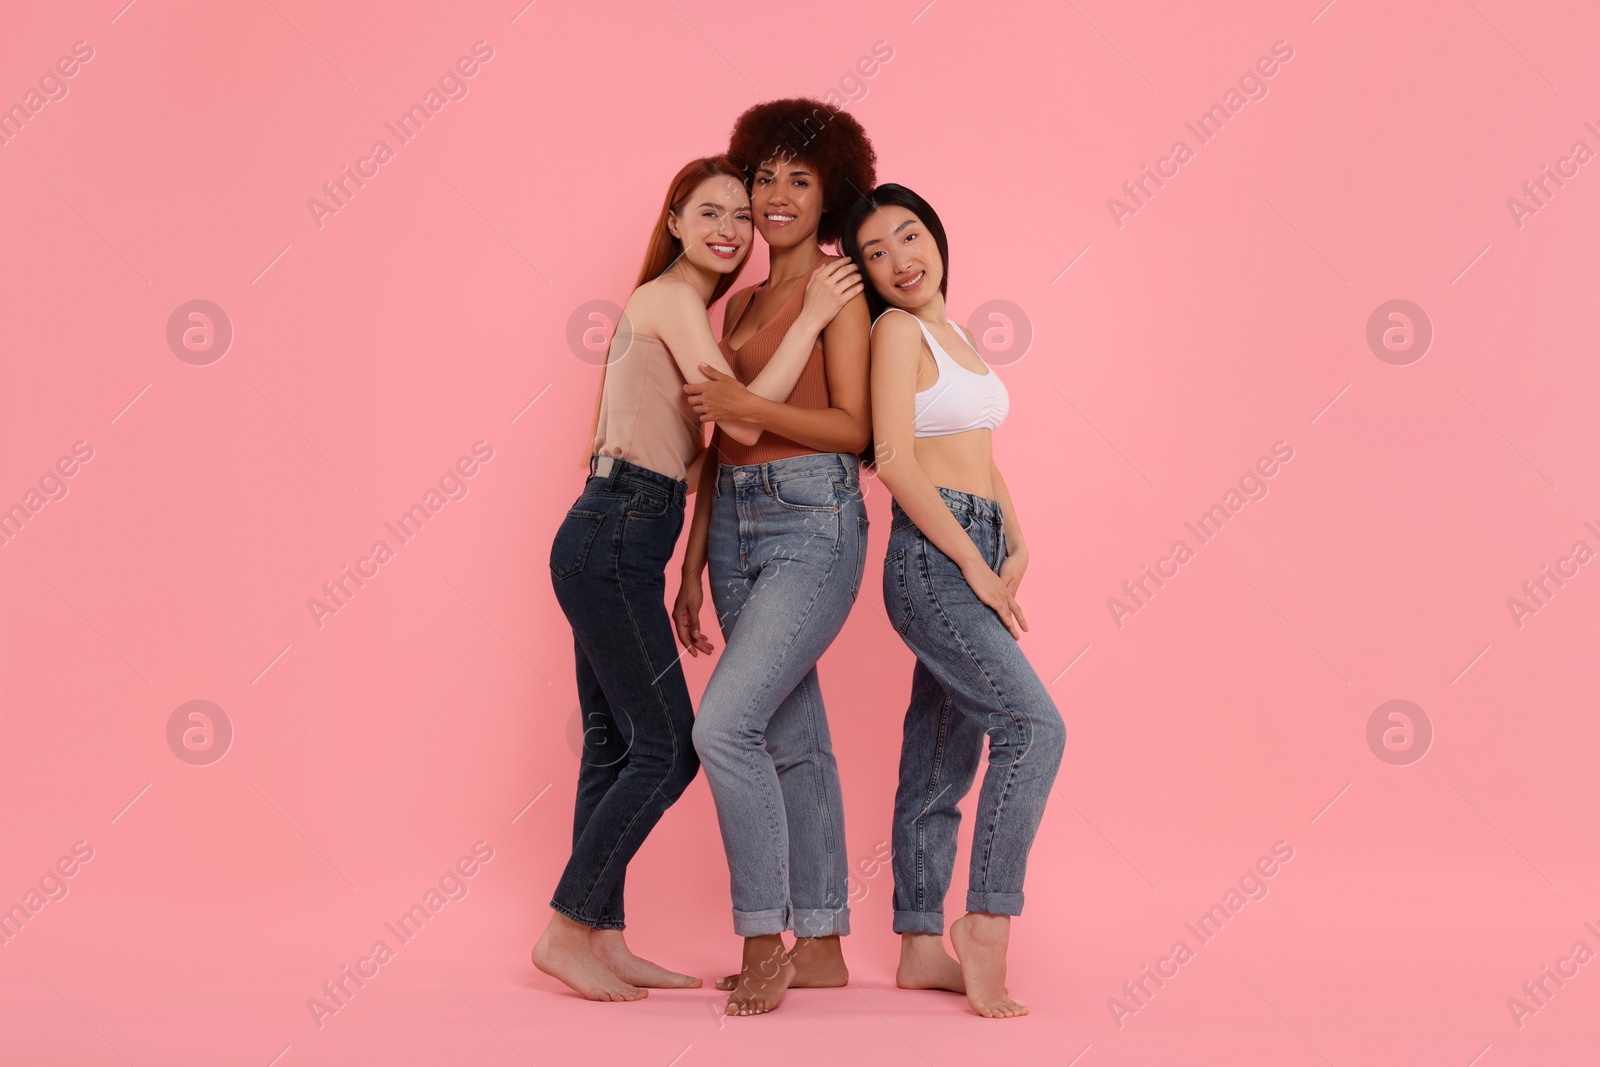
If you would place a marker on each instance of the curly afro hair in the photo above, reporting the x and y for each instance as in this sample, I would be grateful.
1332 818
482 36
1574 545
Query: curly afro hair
829 140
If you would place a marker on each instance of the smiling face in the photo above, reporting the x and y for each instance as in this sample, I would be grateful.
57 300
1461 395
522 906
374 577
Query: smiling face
714 225
903 262
787 197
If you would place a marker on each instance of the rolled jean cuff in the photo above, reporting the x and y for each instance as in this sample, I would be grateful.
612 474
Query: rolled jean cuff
759 923
821 922
593 924
995 903
919 922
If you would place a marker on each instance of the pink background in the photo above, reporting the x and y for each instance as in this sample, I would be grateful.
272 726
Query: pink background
431 311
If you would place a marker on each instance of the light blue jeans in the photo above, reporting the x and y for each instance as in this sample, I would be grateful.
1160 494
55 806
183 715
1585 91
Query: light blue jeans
786 551
971 681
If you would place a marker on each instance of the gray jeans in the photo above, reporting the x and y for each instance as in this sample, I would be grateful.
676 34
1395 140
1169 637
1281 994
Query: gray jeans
786 552
971 679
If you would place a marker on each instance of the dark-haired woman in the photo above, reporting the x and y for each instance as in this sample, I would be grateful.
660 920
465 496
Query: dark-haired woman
785 529
956 558
609 557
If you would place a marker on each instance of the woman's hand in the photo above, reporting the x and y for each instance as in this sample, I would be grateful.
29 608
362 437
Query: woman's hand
1011 570
722 398
992 589
829 290
686 616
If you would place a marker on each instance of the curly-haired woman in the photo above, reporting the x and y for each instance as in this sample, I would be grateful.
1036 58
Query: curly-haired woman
785 530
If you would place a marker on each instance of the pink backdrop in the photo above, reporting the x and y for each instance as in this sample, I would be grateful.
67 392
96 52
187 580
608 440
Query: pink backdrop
353 356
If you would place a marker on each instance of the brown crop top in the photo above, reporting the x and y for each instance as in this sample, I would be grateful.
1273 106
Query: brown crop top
810 391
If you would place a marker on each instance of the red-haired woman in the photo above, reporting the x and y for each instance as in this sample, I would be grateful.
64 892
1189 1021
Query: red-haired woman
785 530
609 557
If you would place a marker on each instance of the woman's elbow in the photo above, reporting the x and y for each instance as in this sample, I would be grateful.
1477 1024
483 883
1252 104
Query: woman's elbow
890 469
860 435
741 432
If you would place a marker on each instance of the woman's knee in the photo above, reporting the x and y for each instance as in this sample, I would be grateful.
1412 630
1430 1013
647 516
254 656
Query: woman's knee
727 720
714 731
685 765
1048 733
700 735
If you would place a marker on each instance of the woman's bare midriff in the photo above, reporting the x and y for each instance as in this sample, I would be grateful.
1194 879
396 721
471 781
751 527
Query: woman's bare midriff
960 461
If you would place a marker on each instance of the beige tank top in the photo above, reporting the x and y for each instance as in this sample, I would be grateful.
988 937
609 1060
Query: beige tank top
645 417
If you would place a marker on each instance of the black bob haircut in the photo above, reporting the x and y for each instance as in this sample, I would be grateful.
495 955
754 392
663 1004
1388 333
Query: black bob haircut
883 196
899 196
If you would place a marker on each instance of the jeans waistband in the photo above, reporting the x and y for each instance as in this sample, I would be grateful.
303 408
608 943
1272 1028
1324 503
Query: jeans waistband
620 472
812 463
980 506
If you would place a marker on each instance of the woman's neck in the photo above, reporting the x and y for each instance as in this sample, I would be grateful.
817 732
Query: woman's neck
933 311
785 265
703 281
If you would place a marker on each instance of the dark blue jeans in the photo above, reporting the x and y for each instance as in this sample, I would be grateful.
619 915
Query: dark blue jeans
608 564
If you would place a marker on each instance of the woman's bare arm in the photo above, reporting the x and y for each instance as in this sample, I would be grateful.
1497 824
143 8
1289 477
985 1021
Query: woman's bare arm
896 351
679 318
845 425
691 588
1015 545
830 288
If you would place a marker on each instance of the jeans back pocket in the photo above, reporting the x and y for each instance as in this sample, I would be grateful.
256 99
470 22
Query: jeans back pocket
570 550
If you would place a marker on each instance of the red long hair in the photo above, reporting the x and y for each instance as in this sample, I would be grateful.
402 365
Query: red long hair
664 249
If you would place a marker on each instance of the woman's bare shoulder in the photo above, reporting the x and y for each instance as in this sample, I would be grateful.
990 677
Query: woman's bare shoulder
660 299
894 327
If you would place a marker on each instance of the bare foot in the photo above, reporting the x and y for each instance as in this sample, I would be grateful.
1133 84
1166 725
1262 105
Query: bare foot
980 941
564 954
610 949
818 964
765 977
924 964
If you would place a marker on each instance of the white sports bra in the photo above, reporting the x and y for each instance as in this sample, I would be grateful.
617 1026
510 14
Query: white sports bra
961 399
